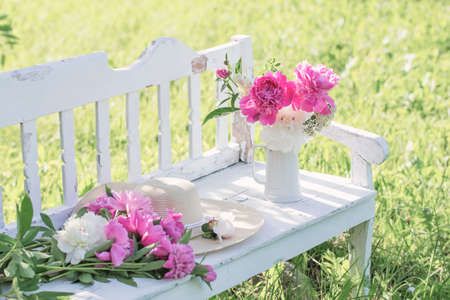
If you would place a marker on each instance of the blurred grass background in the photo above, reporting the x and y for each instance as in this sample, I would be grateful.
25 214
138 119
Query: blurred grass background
394 60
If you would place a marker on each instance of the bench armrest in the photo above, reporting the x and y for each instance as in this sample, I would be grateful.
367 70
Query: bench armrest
371 147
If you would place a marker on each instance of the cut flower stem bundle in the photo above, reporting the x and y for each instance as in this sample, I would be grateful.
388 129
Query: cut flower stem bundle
117 236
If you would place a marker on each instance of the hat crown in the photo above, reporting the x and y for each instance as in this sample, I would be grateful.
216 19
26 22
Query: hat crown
173 193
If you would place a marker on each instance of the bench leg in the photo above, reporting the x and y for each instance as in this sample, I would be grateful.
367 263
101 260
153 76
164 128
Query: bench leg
360 244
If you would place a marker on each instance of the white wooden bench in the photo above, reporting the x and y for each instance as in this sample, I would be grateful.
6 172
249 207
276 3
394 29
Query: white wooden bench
332 204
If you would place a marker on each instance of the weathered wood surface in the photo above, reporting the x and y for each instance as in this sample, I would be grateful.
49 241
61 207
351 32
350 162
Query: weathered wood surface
330 206
30 160
102 134
69 173
373 148
164 137
195 127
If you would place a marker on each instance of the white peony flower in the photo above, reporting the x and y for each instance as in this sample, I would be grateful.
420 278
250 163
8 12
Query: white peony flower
287 134
224 227
81 235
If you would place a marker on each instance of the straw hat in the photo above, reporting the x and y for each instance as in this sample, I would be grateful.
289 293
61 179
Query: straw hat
182 196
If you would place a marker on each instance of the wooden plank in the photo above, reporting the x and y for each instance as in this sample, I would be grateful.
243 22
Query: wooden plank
134 145
30 161
360 236
195 127
215 55
373 148
360 250
2 219
208 163
164 139
102 133
69 173
361 171
38 90
221 122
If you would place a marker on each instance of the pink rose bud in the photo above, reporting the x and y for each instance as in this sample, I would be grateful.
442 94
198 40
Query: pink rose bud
222 73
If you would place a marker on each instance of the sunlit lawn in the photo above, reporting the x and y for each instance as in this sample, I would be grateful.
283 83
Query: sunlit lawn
393 57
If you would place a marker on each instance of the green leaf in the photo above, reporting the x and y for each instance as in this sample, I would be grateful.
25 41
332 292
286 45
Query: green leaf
105 246
105 213
71 276
4 238
11 269
47 221
223 86
47 295
140 253
127 281
24 216
108 191
29 285
221 111
238 66
30 235
55 253
25 270
186 237
223 101
200 270
154 265
39 255
81 212
86 278
233 99
101 279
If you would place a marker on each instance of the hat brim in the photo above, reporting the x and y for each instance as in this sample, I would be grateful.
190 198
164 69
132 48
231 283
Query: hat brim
247 222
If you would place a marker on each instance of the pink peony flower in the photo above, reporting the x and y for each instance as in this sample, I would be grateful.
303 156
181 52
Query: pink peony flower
211 275
100 203
268 94
142 224
163 249
312 86
173 226
153 234
222 73
181 261
130 201
136 221
121 246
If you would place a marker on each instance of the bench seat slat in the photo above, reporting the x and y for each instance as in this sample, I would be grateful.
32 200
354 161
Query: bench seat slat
134 145
30 160
330 206
69 173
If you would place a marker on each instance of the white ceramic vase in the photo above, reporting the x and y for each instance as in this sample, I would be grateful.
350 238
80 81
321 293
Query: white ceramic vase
281 181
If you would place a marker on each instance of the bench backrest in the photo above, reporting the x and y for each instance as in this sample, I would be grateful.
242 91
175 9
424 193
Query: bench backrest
62 86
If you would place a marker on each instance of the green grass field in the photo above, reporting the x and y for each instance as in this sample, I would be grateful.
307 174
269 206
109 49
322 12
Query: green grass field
394 60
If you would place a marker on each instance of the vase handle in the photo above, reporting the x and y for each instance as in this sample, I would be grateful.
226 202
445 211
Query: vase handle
260 179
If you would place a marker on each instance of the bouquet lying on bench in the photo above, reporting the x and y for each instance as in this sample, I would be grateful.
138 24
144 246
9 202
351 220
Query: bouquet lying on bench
116 236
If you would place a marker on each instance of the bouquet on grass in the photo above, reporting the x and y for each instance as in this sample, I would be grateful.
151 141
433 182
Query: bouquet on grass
291 111
118 235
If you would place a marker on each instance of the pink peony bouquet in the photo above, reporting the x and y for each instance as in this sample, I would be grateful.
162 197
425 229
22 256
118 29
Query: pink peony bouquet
290 111
120 227
117 235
